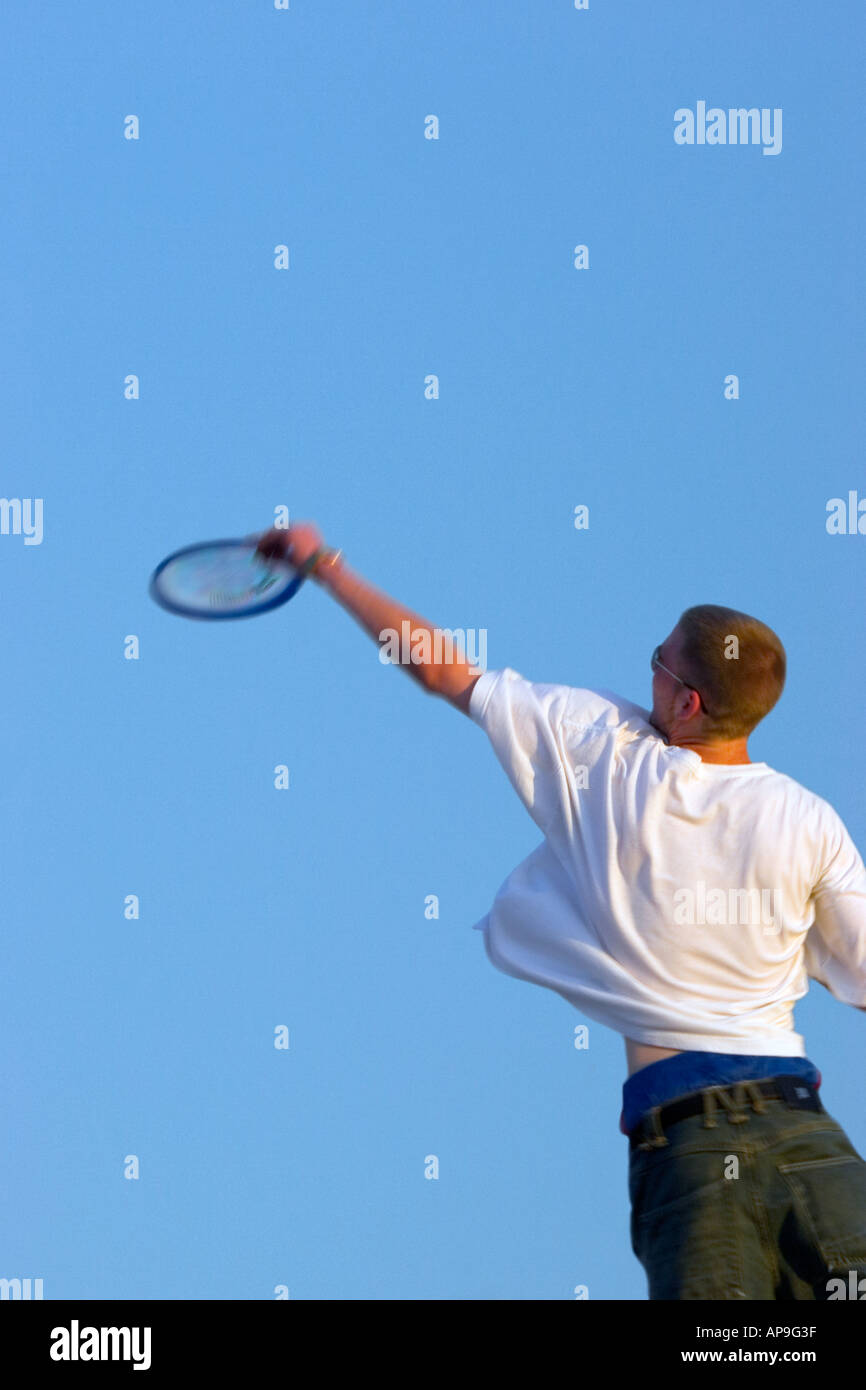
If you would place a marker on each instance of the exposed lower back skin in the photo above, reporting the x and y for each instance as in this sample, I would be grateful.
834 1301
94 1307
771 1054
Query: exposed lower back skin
642 1055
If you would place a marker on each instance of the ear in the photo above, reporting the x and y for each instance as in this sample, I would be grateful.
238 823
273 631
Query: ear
688 704
694 709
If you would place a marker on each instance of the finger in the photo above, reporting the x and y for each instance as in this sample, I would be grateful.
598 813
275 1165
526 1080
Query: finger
272 542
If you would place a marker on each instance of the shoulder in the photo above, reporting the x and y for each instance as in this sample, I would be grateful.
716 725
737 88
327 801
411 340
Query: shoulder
507 692
818 809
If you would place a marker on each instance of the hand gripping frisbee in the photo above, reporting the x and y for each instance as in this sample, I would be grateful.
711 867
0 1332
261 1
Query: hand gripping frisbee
223 579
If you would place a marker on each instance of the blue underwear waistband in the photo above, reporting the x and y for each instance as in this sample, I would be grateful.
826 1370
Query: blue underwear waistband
691 1071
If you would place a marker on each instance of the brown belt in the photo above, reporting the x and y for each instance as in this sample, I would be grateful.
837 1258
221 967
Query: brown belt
798 1093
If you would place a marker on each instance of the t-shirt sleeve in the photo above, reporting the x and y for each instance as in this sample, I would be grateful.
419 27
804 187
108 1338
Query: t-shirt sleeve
835 951
529 726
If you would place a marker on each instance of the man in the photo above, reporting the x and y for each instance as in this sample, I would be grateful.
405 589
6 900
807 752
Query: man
682 896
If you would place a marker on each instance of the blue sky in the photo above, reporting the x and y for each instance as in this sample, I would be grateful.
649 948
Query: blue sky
305 388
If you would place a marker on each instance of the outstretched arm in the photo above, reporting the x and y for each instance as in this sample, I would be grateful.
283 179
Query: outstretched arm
435 661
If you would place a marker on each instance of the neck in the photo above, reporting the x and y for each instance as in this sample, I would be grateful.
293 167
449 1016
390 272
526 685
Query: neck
710 750
736 752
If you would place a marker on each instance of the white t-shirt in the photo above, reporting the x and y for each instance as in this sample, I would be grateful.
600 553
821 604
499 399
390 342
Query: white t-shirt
679 902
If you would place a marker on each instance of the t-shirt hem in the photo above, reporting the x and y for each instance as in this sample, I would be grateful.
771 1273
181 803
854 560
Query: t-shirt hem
761 1045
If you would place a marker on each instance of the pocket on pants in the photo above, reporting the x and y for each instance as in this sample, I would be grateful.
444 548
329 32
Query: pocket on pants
689 1243
829 1196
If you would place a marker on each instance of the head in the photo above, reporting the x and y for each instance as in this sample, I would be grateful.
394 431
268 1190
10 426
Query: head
725 671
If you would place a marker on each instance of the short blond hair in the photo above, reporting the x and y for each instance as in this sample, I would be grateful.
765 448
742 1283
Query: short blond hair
739 690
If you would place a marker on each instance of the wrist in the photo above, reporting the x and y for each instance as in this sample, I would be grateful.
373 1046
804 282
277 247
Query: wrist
324 562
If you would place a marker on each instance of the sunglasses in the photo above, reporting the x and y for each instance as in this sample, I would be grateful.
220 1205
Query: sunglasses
655 663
